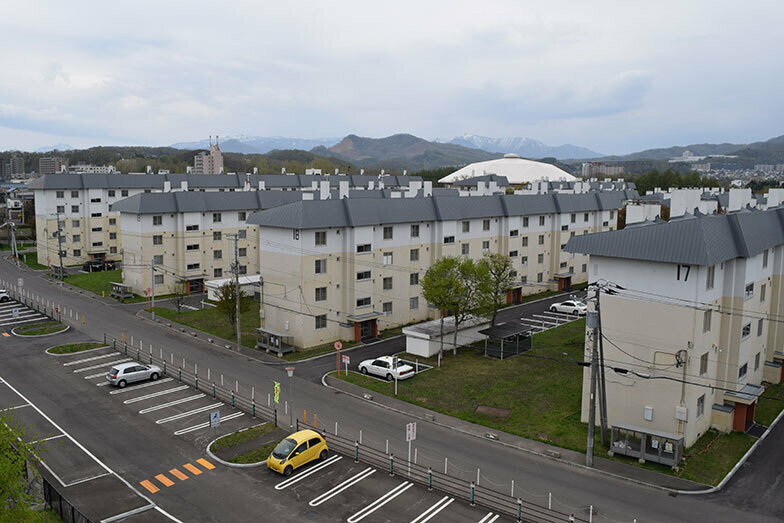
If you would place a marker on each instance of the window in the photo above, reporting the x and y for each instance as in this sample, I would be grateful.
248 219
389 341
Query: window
217 254
763 290
217 273
321 266
704 364
216 217
216 236
60 194
466 226
192 247
97 229
242 216
74 194
363 302
243 269
124 193
756 361
612 215
539 277
485 225
564 227
413 303
61 209
159 279
585 217
525 241
563 265
541 239
574 218
513 254
743 370
706 321
524 280
759 327
513 233
112 235
746 331
449 239
387 283
242 234
585 267
74 223
413 278
191 227
96 215
709 277
95 200
321 321
364 275
764 259
524 261
541 220
74 208
525 221
386 308
387 258
157 259
540 258
749 291
415 231
414 255
77 238
111 193
112 221
193 266
563 246
605 224
97 244
464 248
363 247
387 232
77 253
321 294
700 406
321 237
485 245
113 250
157 239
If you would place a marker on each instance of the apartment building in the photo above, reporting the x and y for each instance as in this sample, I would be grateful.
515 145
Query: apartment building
88 225
346 268
52 165
209 162
694 313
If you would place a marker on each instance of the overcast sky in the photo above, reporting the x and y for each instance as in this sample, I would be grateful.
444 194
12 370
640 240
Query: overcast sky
612 76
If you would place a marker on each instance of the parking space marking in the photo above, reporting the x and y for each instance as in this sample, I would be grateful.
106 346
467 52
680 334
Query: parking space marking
207 424
380 502
93 376
489 518
50 437
302 475
85 369
149 486
431 512
189 413
136 387
164 480
204 463
89 359
155 394
177 474
4 324
192 469
85 480
14 407
102 384
171 403
334 491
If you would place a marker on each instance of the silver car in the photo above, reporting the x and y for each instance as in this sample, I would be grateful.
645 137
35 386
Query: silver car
126 373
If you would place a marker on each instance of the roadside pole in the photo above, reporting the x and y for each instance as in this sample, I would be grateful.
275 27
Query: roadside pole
592 323
602 386
152 288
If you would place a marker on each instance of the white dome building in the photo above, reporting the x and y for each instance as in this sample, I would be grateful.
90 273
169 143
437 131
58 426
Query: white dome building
517 170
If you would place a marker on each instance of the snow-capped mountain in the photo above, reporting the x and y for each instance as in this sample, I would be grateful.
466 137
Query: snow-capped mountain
259 144
55 147
525 147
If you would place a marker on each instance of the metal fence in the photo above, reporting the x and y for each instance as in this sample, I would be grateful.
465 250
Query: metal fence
515 507
62 506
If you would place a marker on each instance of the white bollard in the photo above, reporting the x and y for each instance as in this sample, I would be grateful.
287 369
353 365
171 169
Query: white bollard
446 464
360 436
550 501
590 514
477 477
512 488
336 428
269 400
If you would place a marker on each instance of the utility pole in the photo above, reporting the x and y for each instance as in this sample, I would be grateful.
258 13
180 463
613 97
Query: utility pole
59 246
152 288
592 322
236 269
14 250
602 385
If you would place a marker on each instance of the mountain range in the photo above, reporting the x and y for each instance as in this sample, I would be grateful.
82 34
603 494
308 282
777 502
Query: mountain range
55 147
259 144
525 147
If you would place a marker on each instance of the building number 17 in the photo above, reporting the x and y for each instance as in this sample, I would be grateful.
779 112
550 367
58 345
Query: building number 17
683 270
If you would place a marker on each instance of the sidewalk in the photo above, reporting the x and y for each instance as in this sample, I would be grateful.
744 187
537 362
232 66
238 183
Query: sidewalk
570 457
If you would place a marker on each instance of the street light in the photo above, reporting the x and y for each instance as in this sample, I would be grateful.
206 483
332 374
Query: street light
290 372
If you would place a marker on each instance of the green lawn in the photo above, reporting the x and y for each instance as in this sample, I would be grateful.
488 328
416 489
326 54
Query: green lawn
31 260
96 282
75 347
255 455
235 438
213 322
36 329
5 246
767 407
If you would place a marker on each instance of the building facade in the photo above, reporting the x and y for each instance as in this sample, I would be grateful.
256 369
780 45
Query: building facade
52 165
209 162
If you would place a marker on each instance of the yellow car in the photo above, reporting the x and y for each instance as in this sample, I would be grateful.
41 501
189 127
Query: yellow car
298 449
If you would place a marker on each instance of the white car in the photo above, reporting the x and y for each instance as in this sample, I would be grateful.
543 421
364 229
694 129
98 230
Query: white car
126 373
387 367
4 297
570 307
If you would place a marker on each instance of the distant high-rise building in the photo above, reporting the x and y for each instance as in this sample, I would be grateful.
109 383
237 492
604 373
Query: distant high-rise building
209 163
52 165
14 166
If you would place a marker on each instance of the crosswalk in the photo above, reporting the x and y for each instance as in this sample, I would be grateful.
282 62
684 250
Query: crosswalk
13 313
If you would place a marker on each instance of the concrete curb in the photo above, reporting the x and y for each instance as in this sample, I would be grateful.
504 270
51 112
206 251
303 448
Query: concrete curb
72 353
38 335
510 445
228 463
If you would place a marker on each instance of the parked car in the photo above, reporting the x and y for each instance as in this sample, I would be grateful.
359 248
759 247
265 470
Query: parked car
387 367
570 307
297 450
126 373
4 297
98 265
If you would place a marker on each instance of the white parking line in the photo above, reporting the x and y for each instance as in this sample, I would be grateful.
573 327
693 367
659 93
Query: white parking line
334 491
90 359
102 384
428 514
14 407
171 403
189 413
21 321
91 376
488 518
156 394
380 502
104 365
137 387
50 437
21 314
207 424
302 475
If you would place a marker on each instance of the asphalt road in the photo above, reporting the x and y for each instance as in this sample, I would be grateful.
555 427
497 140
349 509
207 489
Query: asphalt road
573 489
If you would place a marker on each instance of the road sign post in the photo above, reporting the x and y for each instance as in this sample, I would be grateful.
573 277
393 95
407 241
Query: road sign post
16 312
276 389
338 346
346 360
410 436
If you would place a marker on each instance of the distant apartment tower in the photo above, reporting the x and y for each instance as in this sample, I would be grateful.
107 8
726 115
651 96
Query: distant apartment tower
52 165
592 169
209 163
15 165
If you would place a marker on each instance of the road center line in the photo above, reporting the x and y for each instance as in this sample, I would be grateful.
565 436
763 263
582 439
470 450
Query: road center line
189 413
104 365
334 491
380 502
428 514
171 403
155 394
137 387
302 475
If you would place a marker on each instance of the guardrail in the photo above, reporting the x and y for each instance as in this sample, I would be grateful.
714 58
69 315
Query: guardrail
516 507
61 505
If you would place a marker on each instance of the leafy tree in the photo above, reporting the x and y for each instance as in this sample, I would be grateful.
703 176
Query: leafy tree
179 293
227 303
473 284
441 286
15 453
498 279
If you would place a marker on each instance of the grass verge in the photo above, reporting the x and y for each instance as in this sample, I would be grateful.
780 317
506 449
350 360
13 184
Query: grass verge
96 282
255 455
213 322
36 329
235 438
767 407
75 347
31 260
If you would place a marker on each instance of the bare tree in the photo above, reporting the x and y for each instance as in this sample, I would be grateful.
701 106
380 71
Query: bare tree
179 293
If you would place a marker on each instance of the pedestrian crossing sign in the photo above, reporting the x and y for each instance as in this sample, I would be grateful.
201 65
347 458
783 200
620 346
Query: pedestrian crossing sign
277 392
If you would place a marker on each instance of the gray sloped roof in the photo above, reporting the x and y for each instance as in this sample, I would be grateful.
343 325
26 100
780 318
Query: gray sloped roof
697 240
472 181
196 201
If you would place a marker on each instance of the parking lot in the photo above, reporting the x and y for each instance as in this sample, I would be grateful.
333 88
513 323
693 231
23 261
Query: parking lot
14 313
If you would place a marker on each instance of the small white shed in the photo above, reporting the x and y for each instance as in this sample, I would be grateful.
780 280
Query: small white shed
248 285
424 339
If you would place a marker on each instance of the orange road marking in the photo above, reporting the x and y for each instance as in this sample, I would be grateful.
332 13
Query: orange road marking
149 486
177 474
204 463
163 479
192 469
6 335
